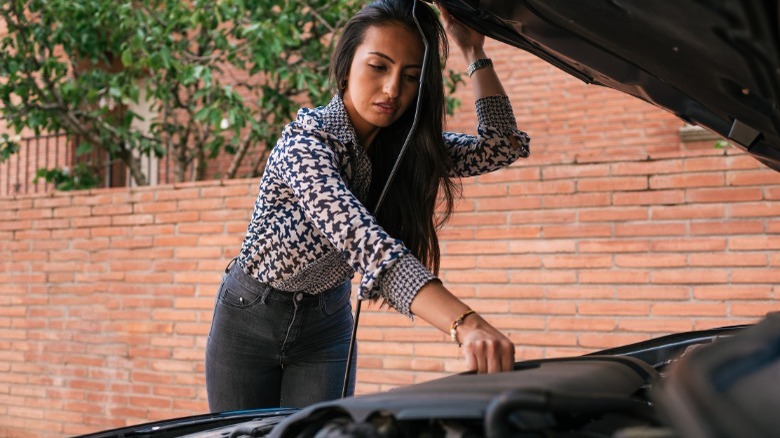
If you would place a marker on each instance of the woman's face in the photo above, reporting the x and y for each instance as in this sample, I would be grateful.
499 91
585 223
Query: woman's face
383 78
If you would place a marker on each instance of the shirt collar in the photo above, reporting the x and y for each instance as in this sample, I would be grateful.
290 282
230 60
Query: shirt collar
332 118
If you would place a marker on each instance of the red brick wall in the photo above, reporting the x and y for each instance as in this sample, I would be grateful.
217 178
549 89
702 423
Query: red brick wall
614 231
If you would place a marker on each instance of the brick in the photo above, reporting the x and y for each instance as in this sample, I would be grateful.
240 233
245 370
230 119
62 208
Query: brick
765 243
506 261
579 323
200 204
728 195
543 277
758 309
507 233
550 246
647 168
610 308
614 276
510 174
728 259
655 197
721 228
505 203
677 212
653 292
656 260
763 177
687 180
200 229
477 276
459 262
692 244
732 292
470 248
690 309
613 215
543 216
765 276
510 291
575 172
573 231
651 229
689 276
542 187
585 261
614 246
546 307
178 217
752 210
610 184
481 191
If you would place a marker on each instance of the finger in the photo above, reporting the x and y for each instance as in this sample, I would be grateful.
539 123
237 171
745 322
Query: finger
471 362
495 359
508 358
445 15
482 357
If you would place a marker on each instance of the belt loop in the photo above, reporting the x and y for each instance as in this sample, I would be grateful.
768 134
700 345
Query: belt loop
230 264
264 295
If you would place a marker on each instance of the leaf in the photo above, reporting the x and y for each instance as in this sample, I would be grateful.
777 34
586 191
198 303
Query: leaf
83 148
127 58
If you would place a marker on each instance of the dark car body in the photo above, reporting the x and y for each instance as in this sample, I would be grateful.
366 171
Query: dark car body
713 63
596 395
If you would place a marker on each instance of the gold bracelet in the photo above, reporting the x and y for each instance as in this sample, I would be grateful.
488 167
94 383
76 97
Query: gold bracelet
457 323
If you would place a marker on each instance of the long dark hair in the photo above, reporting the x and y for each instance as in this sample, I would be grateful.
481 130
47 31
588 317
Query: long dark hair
423 182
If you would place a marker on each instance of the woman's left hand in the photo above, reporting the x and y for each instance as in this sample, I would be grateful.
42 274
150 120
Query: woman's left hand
466 38
486 350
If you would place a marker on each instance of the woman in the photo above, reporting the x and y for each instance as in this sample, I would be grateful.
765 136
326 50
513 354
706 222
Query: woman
282 321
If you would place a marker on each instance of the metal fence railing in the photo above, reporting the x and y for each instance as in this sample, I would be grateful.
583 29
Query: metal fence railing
18 173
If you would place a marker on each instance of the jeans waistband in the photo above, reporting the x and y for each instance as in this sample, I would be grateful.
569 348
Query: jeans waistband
236 272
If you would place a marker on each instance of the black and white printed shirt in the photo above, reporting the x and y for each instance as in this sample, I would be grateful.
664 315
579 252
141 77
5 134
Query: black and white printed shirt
310 230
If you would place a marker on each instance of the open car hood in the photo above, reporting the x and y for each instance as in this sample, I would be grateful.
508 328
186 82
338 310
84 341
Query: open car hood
713 63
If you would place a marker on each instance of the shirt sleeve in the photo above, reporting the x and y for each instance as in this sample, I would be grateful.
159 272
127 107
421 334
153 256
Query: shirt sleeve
310 168
491 148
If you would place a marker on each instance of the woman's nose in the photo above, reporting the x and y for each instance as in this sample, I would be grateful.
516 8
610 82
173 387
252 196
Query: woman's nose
392 86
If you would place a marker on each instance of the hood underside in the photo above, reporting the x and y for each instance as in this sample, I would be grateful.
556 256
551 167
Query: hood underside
713 63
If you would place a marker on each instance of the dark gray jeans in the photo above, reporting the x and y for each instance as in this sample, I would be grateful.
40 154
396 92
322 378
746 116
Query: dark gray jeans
269 348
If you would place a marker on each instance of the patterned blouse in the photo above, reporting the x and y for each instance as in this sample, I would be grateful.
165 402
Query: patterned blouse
310 231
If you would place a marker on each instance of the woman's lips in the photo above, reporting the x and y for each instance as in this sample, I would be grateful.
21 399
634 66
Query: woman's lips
387 108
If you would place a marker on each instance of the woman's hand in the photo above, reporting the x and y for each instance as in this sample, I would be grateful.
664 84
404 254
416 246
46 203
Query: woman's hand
467 39
486 350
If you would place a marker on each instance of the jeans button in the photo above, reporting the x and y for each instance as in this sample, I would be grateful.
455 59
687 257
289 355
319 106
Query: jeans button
299 296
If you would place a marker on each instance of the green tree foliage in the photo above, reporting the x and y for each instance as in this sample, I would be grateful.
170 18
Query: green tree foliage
217 75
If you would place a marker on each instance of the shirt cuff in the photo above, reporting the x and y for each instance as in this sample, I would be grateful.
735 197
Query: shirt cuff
402 281
496 111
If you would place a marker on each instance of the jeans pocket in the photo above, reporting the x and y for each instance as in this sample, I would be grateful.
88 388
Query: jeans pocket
336 299
234 294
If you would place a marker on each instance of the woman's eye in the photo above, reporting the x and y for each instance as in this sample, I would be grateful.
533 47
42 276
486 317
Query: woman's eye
377 67
413 78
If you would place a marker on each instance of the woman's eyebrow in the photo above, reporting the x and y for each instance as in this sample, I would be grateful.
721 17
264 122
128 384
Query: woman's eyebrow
390 60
